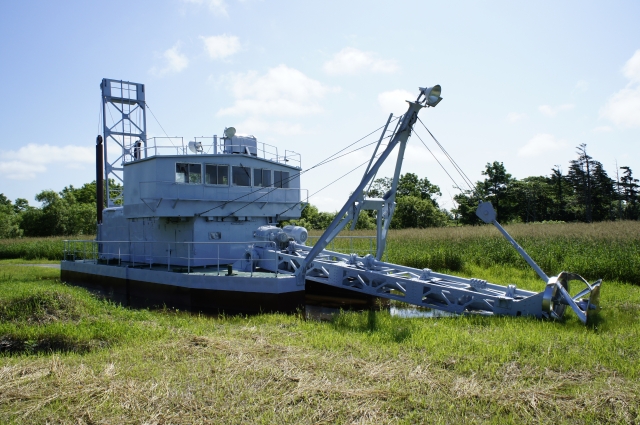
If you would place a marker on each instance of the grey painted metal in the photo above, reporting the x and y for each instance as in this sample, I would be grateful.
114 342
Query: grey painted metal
360 205
167 223
426 288
152 190
487 214
427 97
127 135
99 179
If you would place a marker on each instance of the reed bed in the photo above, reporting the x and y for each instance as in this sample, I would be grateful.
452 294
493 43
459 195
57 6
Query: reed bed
35 248
606 250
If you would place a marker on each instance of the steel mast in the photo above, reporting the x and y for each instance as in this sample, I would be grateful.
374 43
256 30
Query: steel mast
124 103
429 96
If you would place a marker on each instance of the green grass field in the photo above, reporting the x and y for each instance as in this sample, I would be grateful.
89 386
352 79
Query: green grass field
606 250
68 357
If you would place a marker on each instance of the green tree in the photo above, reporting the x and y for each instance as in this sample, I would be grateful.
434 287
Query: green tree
312 219
467 203
629 194
532 198
21 205
414 212
85 194
594 190
9 219
412 195
60 215
563 196
495 188
408 185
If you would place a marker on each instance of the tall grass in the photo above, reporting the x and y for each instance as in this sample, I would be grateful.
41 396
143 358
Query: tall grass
78 359
39 314
34 248
607 250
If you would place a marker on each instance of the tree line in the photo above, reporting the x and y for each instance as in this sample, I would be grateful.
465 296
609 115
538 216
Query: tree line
585 193
71 211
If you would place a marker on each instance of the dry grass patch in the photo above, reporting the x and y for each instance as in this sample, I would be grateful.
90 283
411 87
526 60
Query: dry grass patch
250 374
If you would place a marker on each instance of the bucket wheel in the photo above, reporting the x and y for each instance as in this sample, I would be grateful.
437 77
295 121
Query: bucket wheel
556 297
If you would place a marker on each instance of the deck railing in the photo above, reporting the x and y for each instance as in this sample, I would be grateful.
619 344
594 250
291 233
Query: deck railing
162 146
360 245
178 254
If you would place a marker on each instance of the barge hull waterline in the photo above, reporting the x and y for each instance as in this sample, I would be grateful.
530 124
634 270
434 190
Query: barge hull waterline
189 292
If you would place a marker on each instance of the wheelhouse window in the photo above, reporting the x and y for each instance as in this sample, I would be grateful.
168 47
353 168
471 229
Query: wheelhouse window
188 173
281 179
216 174
261 177
241 176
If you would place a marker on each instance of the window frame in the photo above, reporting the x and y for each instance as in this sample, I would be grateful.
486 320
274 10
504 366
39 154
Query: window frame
248 174
217 174
284 181
188 175
269 172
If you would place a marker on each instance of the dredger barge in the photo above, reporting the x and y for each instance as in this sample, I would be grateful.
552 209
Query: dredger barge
196 227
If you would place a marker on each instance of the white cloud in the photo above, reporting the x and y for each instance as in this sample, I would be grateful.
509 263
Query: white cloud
552 111
217 7
353 61
257 126
17 170
395 101
602 129
581 86
175 62
541 144
623 108
32 159
631 69
221 46
282 91
515 116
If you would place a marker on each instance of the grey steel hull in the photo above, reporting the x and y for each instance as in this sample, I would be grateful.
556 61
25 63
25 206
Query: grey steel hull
196 292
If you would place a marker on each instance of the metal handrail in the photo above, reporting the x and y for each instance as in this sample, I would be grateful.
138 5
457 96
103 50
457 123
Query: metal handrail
263 150
372 240
76 250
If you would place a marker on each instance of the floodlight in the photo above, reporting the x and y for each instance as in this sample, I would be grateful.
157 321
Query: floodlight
431 95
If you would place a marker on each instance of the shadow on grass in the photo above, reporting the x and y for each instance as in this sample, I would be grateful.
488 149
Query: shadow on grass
54 344
374 322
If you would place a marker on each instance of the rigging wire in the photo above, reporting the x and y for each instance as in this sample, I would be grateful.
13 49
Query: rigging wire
347 147
455 183
320 190
323 162
373 179
465 178
298 203
154 117
275 187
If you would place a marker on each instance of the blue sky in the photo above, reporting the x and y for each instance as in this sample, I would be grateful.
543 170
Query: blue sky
523 82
